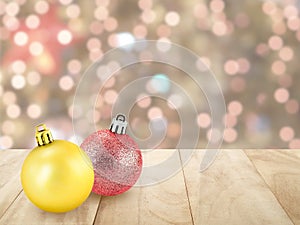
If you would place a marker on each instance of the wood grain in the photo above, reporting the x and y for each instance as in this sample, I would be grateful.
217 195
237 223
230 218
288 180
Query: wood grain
10 167
163 203
234 190
231 192
24 212
281 171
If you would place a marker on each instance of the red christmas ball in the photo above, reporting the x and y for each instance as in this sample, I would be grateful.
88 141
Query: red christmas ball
117 161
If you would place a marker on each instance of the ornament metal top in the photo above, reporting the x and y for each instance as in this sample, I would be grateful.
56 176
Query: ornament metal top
119 124
43 135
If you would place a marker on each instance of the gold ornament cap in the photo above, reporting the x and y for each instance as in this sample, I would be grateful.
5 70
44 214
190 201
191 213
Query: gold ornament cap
43 135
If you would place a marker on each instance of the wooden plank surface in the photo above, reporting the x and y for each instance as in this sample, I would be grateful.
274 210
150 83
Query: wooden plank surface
234 190
163 203
23 212
231 192
10 167
281 171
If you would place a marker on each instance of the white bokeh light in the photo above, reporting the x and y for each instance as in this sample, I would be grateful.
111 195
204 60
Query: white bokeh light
21 38
32 21
64 37
18 81
34 111
172 18
36 48
13 111
66 83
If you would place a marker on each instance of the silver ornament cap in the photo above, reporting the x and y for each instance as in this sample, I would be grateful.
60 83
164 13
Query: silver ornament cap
118 124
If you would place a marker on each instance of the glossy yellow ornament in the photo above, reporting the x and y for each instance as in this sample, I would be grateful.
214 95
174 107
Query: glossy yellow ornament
57 176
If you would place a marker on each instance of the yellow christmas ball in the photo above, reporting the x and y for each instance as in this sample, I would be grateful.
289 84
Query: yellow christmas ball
57 176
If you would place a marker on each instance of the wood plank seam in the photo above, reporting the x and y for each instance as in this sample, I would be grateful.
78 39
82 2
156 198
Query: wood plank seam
186 190
12 159
97 211
257 171
12 202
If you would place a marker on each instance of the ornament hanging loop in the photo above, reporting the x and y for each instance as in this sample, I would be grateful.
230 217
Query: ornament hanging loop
118 124
43 135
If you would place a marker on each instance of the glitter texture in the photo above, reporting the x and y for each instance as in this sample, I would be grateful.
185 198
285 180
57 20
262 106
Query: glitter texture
117 161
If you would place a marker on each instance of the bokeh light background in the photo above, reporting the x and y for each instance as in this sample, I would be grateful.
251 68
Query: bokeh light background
252 46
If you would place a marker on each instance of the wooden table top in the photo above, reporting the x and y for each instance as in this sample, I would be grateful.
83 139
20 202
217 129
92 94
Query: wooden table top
241 187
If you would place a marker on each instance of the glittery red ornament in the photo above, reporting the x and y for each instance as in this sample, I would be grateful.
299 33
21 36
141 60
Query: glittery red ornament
117 161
